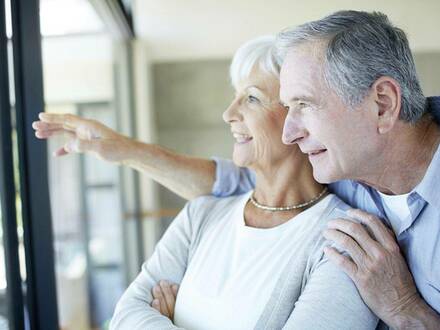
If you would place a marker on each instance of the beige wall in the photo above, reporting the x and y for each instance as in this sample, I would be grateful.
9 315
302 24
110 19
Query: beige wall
189 99
428 68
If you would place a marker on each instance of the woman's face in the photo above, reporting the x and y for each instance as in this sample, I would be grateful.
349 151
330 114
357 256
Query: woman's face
257 118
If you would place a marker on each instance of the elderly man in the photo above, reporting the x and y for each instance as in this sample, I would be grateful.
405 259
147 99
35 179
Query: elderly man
356 108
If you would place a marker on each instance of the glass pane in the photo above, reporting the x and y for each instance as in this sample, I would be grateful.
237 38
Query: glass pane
61 17
78 66
4 324
104 226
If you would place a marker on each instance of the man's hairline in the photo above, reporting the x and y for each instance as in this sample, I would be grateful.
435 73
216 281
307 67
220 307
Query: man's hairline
315 47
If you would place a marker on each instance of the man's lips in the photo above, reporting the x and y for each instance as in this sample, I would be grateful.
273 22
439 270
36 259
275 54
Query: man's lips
314 153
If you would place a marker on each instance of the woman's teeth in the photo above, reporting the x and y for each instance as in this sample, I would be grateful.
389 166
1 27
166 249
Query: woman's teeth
242 138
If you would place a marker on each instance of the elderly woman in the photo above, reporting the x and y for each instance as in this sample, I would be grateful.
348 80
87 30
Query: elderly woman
254 261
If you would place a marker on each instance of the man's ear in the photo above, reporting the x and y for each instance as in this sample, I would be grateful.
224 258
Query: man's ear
387 95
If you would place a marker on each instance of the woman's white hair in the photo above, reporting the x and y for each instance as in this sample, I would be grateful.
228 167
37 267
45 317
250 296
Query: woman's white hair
257 53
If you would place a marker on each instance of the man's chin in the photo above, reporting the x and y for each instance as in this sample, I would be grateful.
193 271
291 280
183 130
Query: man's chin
324 176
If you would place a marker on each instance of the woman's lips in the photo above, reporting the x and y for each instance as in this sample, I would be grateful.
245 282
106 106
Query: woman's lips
242 138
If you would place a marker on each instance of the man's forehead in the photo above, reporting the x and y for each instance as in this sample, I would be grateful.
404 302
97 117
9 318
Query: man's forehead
301 71
310 54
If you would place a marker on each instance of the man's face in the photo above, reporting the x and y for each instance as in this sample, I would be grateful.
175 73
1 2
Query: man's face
341 143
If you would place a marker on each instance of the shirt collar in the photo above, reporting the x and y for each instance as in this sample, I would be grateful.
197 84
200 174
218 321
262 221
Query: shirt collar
433 104
428 188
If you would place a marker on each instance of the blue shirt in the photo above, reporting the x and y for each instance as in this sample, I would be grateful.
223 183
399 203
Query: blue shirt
419 234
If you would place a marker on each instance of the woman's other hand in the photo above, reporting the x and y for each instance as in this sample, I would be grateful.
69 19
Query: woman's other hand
164 301
84 136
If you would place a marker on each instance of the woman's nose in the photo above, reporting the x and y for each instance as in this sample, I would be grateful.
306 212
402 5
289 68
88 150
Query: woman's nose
232 113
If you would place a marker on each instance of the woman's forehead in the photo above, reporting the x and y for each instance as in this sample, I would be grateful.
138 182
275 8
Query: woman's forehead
257 79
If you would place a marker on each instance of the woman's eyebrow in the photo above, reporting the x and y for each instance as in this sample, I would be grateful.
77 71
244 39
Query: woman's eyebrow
257 88
254 86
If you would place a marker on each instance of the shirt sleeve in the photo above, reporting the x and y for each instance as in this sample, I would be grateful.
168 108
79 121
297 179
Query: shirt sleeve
330 301
230 179
168 262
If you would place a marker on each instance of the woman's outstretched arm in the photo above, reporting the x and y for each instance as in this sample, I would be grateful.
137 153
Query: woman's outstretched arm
187 176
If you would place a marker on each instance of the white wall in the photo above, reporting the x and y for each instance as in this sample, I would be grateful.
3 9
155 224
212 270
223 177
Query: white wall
195 29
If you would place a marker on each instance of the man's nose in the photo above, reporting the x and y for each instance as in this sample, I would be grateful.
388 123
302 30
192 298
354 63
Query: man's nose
293 130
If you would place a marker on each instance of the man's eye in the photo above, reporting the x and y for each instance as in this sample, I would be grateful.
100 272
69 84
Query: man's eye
302 105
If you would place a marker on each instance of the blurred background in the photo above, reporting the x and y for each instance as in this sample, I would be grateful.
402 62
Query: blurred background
156 71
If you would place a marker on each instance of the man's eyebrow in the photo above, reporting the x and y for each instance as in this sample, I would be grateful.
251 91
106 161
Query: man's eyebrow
301 98
297 99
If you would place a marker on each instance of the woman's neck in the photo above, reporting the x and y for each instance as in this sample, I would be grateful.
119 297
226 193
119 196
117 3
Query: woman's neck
286 183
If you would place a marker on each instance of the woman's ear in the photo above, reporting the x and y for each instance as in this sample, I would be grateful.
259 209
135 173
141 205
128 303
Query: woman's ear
387 95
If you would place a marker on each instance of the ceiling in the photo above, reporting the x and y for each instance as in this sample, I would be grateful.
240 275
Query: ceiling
204 29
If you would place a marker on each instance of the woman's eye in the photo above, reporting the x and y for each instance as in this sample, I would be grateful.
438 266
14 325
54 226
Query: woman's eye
252 99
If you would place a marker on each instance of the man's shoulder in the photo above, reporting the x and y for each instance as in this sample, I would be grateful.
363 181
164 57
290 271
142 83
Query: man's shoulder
345 188
356 194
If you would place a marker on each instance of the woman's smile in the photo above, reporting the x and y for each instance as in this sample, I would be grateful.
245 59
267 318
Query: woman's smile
241 138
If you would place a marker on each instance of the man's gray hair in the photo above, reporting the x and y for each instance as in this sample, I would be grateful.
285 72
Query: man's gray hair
361 47
257 53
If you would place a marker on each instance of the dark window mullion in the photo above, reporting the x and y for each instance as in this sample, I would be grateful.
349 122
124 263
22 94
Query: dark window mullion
7 190
38 236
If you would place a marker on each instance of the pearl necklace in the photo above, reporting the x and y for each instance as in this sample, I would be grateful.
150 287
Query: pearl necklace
287 208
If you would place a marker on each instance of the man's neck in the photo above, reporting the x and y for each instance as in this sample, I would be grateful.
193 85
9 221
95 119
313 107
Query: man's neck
406 156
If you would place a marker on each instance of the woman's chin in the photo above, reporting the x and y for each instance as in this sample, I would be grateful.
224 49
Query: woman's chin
241 161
